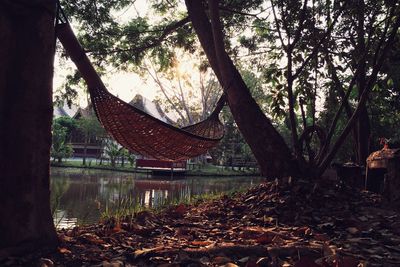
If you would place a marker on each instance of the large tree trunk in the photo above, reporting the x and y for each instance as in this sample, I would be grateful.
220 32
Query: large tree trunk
26 72
268 146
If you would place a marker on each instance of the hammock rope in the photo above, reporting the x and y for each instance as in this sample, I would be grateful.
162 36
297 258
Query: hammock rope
134 129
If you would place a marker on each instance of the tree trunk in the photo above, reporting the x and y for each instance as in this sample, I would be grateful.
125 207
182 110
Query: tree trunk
268 146
85 151
26 72
363 126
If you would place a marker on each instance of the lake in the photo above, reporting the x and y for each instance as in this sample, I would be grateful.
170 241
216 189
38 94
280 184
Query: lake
82 196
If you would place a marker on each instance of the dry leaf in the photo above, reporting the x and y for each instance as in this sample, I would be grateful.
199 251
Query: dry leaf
265 238
321 237
352 230
201 243
64 250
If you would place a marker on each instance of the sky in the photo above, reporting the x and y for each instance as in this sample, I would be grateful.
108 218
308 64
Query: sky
122 84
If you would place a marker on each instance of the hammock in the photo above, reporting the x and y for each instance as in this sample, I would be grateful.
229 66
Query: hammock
134 129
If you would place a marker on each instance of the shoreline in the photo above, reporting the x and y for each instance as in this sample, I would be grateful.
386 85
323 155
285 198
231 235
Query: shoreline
189 173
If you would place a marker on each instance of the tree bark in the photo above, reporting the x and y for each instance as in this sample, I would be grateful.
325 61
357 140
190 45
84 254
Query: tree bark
363 126
26 72
269 148
85 145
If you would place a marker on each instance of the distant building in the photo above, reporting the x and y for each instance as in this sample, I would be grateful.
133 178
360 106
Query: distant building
64 110
150 108
93 146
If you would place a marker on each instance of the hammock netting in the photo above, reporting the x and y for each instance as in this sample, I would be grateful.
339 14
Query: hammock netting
134 129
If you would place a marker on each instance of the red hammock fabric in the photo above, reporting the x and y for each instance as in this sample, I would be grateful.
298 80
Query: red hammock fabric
134 129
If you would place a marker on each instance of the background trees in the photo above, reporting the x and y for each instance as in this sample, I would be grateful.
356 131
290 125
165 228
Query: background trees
186 89
306 55
91 129
60 148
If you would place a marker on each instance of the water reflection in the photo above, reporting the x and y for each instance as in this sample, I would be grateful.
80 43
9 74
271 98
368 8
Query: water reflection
80 196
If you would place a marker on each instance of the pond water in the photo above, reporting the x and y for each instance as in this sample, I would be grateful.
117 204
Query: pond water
81 196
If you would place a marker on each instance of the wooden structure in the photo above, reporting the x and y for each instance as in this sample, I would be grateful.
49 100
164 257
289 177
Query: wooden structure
162 167
383 173
242 162
92 147
350 173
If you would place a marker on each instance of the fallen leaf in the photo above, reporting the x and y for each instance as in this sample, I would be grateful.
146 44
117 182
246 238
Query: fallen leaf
91 238
261 262
145 251
265 238
329 250
321 237
178 211
201 243
65 238
64 250
352 230
303 231
278 240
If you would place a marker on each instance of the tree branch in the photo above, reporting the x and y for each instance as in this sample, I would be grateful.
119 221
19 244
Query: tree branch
151 44
350 87
238 12
316 48
278 27
297 35
363 98
157 80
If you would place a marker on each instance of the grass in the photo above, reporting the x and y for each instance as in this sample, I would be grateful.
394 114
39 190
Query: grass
195 169
209 169
127 208
93 165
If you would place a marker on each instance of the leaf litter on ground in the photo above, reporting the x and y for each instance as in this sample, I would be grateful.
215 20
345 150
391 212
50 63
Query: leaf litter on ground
302 225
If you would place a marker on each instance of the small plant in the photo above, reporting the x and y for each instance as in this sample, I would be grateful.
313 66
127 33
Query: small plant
124 208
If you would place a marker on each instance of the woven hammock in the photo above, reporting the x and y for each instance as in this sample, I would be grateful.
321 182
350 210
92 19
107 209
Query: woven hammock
134 129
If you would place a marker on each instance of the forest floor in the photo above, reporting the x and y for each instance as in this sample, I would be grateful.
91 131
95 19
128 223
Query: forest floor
303 225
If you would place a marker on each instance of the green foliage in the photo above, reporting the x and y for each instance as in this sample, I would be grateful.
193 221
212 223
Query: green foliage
60 148
113 150
131 159
68 123
90 128
263 45
68 95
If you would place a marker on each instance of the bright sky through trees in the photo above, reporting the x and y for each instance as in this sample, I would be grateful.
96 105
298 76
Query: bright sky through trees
122 84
